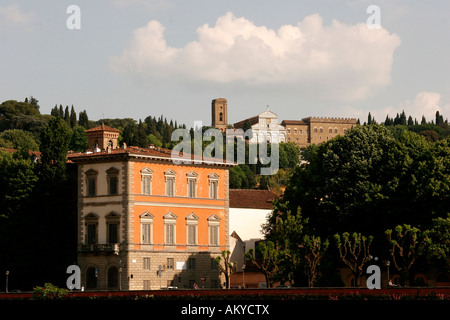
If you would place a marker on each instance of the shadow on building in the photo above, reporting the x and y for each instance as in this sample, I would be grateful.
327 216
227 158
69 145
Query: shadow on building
198 270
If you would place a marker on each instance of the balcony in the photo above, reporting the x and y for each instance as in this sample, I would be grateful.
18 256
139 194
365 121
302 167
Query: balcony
99 248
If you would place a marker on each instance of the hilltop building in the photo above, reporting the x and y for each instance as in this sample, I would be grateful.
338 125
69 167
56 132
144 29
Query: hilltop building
309 130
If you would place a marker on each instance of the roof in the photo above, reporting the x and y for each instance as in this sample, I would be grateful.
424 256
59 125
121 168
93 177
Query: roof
251 122
102 127
155 153
251 198
293 122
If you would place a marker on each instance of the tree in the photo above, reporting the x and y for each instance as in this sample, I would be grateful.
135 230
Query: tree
313 251
354 251
439 234
18 139
268 263
79 139
407 243
55 140
83 119
73 117
228 268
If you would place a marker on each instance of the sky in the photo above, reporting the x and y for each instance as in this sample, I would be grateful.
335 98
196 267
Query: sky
139 58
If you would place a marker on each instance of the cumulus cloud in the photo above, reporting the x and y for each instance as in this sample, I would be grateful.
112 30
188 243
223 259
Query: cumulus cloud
339 61
424 104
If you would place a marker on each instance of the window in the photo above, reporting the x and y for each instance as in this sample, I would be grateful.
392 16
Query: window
146 264
146 227
170 234
321 130
191 184
112 222
335 130
213 185
192 227
113 180
330 130
191 264
91 224
113 235
170 228
146 181
170 182
91 234
295 130
213 230
170 263
213 264
192 234
91 183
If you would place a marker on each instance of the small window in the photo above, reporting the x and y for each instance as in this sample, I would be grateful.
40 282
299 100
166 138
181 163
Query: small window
146 181
91 233
146 227
191 264
91 182
170 182
213 185
146 264
170 228
192 229
192 184
170 263
91 224
113 180
112 221
213 230
192 234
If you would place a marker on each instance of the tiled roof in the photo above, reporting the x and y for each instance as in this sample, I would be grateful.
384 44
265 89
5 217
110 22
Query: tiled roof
251 121
102 127
37 154
160 153
251 198
293 122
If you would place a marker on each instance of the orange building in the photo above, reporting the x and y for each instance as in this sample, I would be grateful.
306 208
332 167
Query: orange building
145 222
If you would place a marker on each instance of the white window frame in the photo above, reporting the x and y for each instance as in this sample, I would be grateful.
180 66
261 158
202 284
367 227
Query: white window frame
170 222
214 230
146 176
192 225
146 222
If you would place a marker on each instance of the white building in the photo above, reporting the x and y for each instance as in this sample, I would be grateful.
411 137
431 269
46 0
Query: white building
249 210
264 126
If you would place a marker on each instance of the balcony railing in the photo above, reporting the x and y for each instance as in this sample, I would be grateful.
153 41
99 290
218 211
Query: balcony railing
107 247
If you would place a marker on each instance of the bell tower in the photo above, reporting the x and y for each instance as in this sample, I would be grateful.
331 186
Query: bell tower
219 114
102 137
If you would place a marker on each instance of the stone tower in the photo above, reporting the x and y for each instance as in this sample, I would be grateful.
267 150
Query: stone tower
102 137
219 114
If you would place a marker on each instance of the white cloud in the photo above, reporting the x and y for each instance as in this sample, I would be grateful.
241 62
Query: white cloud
424 104
339 61
12 15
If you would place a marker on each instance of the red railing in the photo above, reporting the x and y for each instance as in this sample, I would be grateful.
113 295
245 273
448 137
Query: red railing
394 293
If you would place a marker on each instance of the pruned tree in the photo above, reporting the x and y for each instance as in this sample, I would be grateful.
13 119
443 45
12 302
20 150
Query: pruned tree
268 263
407 244
228 267
354 251
313 251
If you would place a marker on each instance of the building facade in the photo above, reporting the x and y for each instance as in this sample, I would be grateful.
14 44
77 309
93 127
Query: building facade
264 127
315 130
147 223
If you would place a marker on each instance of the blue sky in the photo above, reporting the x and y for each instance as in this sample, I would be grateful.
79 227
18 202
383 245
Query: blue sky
135 58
